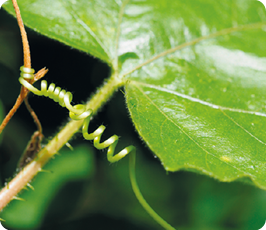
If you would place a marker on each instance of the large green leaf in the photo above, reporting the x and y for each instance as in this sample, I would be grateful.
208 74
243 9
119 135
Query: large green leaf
195 70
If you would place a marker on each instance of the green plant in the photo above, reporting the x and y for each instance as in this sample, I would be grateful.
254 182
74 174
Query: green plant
193 75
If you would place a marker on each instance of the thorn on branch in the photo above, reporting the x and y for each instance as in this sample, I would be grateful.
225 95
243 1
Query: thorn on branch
18 198
69 146
30 186
45 171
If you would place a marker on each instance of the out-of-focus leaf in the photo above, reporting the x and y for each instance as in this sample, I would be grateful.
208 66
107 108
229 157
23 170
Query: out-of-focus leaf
195 74
69 166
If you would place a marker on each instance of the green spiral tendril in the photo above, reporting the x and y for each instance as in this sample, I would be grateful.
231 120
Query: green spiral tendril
79 112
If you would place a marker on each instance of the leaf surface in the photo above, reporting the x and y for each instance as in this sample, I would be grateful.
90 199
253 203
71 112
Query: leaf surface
195 74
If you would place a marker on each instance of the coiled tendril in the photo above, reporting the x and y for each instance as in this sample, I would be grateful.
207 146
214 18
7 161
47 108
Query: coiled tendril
76 112
79 112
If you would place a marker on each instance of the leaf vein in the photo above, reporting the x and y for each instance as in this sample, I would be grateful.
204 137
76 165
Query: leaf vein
120 18
240 126
245 173
197 40
89 30
214 106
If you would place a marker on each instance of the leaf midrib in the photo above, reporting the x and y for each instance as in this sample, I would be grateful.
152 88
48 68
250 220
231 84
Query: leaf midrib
213 106
197 100
245 173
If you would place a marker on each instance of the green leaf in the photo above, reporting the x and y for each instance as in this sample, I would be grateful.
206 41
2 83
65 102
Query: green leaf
75 23
195 71
200 104
70 166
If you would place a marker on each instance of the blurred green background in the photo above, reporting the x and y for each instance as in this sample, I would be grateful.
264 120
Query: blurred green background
81 189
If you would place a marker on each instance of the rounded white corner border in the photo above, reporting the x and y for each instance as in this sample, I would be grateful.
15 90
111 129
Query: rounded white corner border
263 2
2 2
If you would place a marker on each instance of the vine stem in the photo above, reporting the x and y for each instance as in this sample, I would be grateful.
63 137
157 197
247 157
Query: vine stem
27 63
24 177
25 43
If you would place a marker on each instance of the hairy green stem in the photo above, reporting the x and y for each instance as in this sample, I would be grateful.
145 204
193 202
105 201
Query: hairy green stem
24 177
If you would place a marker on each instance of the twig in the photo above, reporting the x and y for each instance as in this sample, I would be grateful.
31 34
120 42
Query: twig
27 63
23 94
25 43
